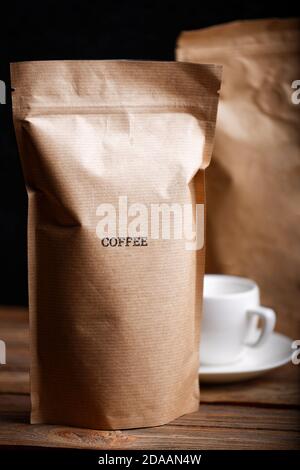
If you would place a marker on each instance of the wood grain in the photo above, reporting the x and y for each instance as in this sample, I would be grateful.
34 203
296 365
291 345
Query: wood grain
212 427
280 387
258 414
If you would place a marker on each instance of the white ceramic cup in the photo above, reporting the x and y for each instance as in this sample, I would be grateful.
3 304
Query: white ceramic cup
231 311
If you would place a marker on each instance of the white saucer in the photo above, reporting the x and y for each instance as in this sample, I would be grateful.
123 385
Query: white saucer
274 353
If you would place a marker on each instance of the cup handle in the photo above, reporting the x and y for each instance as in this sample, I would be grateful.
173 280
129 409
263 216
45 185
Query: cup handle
268 317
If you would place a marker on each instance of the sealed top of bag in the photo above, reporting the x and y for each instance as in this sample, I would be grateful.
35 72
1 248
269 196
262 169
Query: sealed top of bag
239 34
114 84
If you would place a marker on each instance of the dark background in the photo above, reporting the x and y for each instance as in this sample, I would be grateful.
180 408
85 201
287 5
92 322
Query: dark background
108 29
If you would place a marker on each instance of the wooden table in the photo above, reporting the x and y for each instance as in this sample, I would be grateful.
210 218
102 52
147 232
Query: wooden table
259 414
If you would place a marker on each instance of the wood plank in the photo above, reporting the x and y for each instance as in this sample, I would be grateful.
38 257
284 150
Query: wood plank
280 387
14 404
223 420
167 438
13 382
208 415
242 417
212 427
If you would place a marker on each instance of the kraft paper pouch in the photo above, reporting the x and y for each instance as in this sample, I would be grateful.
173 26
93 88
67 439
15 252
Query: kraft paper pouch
253 190
107 148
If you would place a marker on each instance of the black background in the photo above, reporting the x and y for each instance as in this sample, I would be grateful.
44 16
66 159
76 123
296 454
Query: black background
108 29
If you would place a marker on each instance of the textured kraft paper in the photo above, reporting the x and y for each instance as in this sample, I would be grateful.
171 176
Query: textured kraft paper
253 183
114 331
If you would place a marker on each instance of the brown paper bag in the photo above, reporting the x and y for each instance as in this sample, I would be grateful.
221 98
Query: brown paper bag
114 303
253 183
